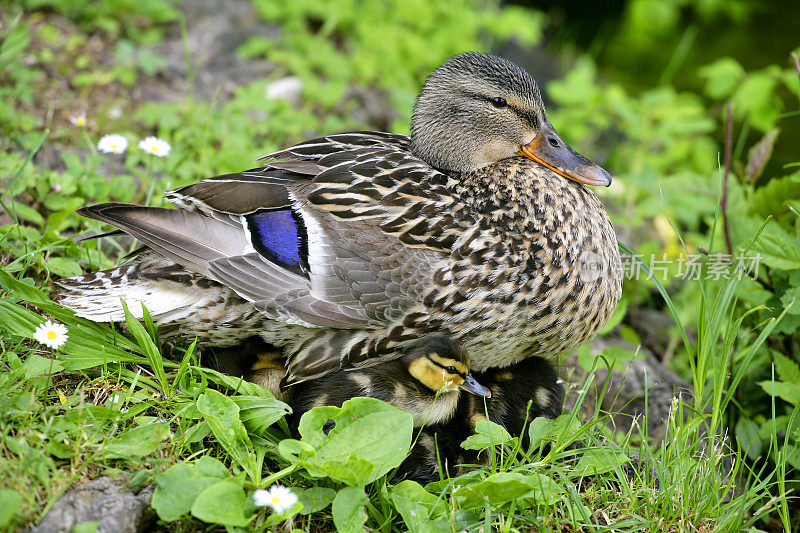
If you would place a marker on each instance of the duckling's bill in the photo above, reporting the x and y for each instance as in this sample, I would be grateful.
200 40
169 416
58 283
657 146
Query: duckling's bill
550 150
471 385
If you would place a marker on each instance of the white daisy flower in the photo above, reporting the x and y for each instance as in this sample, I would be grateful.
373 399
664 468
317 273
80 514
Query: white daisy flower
112 144
51 334
78 120
155 146
278 497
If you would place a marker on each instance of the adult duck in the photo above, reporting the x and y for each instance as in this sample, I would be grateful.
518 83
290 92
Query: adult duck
344 249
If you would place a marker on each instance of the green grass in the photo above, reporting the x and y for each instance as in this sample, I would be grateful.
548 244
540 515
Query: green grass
106 404
109 403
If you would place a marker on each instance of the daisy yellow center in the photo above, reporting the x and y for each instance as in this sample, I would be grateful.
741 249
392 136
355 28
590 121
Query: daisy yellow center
80 121
114 146
154 149
51 334
276 500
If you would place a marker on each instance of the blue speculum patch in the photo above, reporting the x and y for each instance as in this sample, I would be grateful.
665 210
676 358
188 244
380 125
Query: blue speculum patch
280 236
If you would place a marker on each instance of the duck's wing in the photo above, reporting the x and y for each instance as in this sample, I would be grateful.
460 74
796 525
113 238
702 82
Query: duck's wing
330 233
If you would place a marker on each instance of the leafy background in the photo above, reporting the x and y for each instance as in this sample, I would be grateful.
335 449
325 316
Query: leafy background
650 89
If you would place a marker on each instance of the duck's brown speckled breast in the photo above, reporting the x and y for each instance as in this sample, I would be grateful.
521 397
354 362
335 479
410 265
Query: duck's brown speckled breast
536 271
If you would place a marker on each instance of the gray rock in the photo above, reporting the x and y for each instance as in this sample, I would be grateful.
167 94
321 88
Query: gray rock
656 329
110 503
214 32
624 397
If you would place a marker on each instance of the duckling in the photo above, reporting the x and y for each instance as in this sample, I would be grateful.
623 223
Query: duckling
343 249
520 393
254 360
426 381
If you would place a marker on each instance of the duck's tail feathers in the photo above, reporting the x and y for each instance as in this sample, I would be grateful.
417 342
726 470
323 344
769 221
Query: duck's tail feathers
189 239
163 287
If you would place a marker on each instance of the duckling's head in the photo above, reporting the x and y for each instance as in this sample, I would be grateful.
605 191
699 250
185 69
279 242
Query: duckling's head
440 364
478 109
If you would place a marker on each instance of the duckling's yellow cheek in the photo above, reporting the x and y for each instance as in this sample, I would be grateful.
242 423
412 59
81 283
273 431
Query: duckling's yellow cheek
455 382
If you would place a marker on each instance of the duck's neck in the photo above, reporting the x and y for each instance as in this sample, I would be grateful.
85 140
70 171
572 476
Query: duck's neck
514 190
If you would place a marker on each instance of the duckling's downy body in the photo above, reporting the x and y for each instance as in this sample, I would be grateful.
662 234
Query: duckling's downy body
427 382
520 393
345 249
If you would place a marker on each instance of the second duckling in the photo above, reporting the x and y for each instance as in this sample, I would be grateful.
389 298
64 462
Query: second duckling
425 382
520 392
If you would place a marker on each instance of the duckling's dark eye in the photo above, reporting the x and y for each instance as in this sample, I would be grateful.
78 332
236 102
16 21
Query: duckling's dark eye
499 102
451 370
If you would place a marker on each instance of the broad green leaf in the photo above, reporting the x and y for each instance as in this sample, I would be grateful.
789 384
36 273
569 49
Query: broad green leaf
13 45
208 466
222 503
747 432
778 249
786 368
791 301
542 430
447 485
369 437
487 434
21 290
495 490
63 266
178 487
787 391
546 491
596 461
222 415
196 432
10 502
793 456
771 199
722 77
258 413
315 499
60 450
351 470
295 450
354 471
138 442
25 212
755 98
18 320
421 511
36 365
348 509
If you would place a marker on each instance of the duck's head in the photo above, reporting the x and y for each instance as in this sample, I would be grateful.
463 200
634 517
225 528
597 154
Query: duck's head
478 109
440 364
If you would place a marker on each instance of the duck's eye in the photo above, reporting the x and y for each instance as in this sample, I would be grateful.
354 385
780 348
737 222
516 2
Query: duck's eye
451 370
499 101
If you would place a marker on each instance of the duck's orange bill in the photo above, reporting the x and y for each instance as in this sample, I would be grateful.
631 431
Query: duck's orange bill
548 149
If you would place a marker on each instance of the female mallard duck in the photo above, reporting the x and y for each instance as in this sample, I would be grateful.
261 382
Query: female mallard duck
527 390
343 249
425 381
